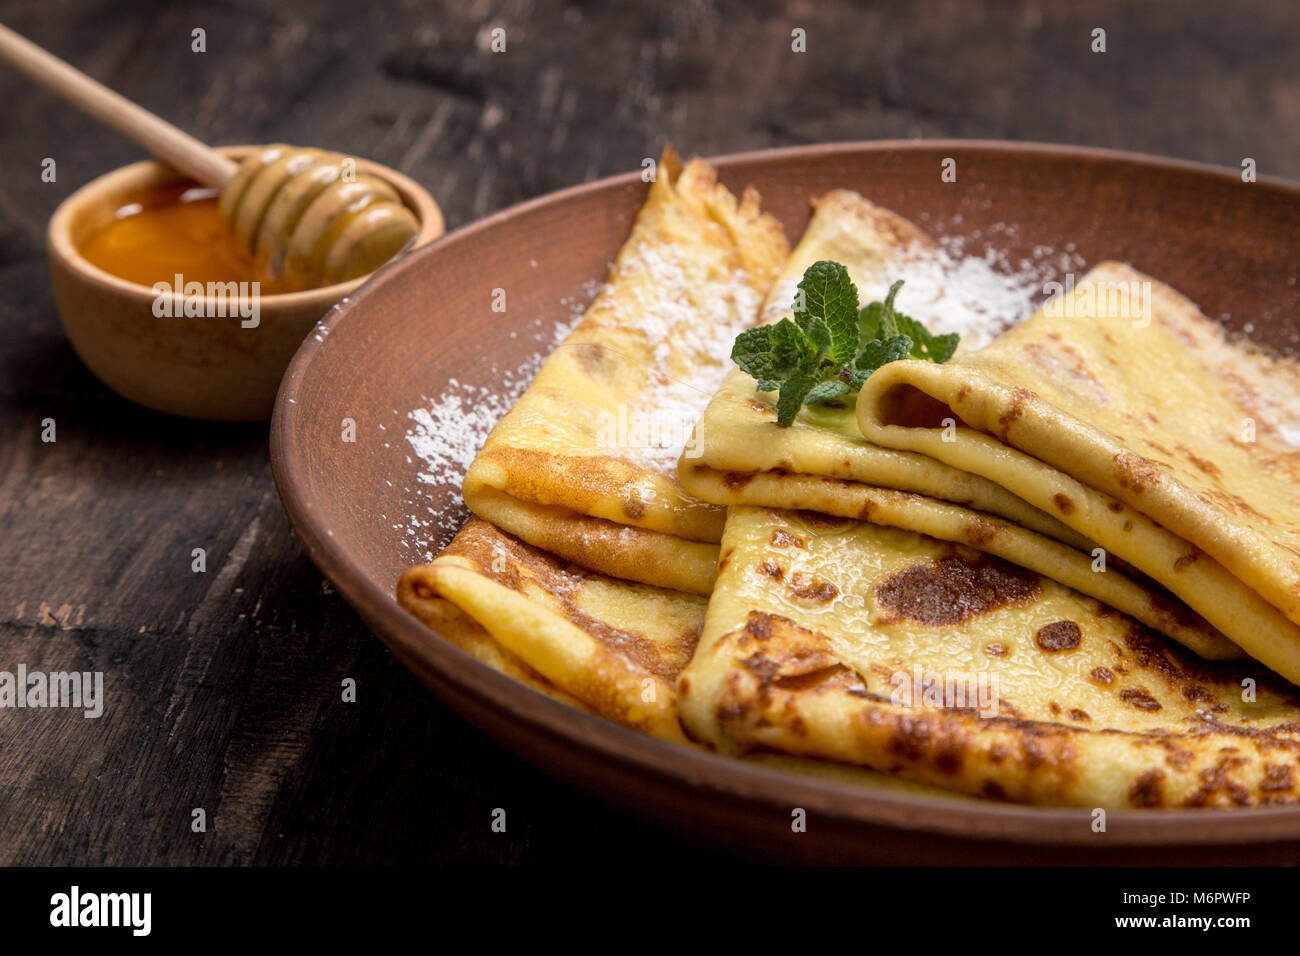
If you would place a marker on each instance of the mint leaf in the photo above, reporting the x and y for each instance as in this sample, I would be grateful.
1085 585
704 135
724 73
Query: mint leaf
831 388
869 322
793 392
829 295
935 348
889 317
772 352
753 352
943 347
879 320
877 353
832 347
790 348
817 332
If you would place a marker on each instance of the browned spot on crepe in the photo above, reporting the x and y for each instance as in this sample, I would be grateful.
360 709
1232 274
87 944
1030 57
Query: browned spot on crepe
954 588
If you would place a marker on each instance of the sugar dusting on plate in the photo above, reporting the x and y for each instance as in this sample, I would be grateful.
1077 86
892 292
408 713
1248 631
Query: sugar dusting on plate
446 433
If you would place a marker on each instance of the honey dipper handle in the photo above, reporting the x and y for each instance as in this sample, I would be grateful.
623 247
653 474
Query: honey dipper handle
173 146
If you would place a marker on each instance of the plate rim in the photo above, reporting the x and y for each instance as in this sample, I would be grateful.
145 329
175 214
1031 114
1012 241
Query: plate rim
1018 824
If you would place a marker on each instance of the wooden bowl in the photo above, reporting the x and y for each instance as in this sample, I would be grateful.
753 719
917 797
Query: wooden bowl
1229 245
211 368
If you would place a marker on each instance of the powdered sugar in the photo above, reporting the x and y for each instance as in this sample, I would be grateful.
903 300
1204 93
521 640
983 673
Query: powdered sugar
977 295
688 312
447 432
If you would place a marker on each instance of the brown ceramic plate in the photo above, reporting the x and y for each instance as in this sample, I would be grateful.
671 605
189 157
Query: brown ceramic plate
1229 245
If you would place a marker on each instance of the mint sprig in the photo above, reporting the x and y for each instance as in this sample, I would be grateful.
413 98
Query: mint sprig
831 347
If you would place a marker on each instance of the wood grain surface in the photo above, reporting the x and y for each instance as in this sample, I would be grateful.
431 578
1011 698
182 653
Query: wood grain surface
224 687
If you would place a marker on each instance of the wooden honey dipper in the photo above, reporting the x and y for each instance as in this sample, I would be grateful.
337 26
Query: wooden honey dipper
306 217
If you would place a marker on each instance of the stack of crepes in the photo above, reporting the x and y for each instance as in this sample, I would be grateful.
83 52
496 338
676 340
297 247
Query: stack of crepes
1060 569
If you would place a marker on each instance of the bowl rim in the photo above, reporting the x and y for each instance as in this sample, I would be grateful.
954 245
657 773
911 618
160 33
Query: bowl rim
60 244
970 819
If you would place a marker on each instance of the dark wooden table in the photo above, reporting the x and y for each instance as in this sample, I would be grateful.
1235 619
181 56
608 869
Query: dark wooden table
223 688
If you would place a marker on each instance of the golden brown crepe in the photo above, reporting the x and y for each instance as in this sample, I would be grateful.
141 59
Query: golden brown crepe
614 646
854 642
1131 417
609 647
739 455
584 465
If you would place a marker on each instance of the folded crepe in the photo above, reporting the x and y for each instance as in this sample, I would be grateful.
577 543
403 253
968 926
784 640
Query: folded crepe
606 646
584 465
614 647
849 641
1136 421
738 455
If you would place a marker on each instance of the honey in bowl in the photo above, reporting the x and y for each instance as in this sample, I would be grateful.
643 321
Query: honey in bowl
169 231
219 367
